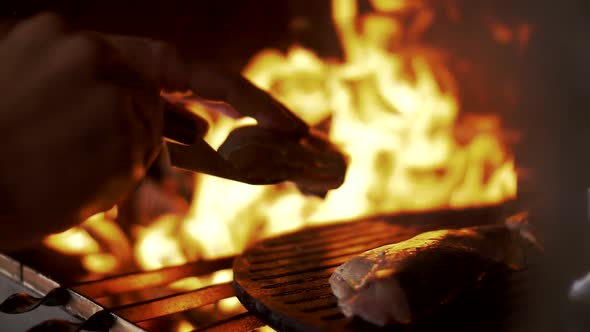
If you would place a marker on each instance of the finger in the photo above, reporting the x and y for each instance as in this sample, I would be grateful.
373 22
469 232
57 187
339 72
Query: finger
249 100
86 57
97 140
124 71
129 144
147 116
182 125
37 33
173 73
145 107
7 25
144 55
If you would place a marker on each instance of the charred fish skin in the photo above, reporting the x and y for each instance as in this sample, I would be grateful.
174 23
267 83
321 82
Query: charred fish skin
402 282
312 162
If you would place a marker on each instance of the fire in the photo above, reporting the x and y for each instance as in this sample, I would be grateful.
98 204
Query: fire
185 326
157 246
393 109
99 240
74 241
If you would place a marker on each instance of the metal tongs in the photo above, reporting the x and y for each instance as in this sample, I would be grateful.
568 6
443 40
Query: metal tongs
306 158
183 132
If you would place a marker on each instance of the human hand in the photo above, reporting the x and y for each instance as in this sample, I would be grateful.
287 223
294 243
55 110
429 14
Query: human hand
82 118
80 126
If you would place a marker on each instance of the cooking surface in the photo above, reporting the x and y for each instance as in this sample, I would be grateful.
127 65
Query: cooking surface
284 280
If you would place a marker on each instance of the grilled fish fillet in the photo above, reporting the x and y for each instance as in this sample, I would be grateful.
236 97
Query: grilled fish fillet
398 283
313 163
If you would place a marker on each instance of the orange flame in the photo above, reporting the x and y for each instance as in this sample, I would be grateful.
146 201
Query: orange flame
394 113
74 241
185 326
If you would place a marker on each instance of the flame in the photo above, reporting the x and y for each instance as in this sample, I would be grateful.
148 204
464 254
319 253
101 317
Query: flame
392 108
231 303
157 246
74 241
77 240
394 111
99 240
185 326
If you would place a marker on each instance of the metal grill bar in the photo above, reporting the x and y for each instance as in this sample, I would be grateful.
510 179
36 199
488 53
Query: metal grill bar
141 280
240 323
163 306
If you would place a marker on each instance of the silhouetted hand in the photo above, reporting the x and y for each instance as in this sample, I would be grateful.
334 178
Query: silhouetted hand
79 127
81 118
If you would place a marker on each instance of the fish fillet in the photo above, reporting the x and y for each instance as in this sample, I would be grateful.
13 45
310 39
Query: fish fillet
400 282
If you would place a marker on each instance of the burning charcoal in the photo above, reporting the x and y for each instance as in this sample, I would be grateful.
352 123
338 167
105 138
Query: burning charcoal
402 282
312 162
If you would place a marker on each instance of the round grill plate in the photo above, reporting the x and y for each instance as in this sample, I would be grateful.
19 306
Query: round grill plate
284 280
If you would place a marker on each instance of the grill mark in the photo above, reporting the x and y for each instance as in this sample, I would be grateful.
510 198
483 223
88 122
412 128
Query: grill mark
349 249
317 261
306 237
325 294
296 281
295 272
316 297
333 305
308 305
256 255
322 242
305 284
313 233
293 267
301 290
329 247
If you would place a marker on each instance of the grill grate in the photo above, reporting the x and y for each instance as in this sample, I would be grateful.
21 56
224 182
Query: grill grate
80 298
284 280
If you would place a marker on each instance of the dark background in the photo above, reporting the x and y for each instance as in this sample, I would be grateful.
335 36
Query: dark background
230 32
551 80
225 30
